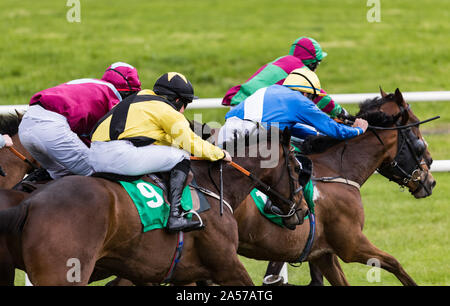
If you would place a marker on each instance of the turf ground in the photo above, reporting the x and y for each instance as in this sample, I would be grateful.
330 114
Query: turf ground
218 44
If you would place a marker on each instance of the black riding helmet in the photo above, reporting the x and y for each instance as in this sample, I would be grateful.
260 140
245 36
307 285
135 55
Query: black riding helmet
174 85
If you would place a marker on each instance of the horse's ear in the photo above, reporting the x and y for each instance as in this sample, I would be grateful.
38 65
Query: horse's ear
398 97
19 114
286 136
383 94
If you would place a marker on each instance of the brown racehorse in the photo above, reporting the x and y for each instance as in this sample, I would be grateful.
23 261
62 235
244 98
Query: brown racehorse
17 162
93 221
339 209
14 167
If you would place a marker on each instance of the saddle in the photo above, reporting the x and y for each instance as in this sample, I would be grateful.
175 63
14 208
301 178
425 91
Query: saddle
161 180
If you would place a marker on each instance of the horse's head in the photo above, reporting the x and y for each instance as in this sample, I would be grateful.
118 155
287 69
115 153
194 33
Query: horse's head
408 162
14 167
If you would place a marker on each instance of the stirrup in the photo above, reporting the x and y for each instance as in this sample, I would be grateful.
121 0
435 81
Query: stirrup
195 213
187 227
273 280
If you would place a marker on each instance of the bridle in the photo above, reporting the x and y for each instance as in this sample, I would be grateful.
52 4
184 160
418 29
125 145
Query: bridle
270 190
408 162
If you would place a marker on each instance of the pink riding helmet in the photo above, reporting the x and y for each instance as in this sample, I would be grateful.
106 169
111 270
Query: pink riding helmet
123 76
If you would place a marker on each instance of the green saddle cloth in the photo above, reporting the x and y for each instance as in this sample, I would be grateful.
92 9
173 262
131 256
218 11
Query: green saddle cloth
260 200
150 203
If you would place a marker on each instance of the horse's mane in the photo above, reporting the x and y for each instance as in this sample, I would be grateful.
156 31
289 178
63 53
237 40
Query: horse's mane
368 110
9 124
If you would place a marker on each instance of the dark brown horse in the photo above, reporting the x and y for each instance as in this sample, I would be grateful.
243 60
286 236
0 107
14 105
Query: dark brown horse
11 160
15 169
339 209
92 221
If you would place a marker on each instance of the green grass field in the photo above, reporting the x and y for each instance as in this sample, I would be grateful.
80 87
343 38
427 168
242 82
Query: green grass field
218 44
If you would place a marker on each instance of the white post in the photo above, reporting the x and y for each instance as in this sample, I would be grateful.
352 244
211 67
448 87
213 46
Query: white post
284 273
27 281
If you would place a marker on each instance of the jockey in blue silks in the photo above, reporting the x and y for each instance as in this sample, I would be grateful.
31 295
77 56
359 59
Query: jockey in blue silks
289 105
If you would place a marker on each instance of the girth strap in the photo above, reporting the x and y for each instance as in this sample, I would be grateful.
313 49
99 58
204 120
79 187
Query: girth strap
337 179
176 258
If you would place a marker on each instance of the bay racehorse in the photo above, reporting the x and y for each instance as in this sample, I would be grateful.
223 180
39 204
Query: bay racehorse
93 221
340 168
15 161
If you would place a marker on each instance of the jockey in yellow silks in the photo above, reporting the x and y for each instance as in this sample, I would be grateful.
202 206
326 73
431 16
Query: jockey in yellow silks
147 133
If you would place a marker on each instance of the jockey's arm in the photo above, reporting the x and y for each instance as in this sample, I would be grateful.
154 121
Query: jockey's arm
177 127
5 140
302 131
327 126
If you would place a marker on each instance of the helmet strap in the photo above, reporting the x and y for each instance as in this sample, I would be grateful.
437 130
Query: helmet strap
307 50
128 83
315 95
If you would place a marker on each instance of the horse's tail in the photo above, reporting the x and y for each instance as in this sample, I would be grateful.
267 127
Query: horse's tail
13 219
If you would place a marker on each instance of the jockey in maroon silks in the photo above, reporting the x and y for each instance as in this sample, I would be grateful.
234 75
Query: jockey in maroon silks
56 127
304 51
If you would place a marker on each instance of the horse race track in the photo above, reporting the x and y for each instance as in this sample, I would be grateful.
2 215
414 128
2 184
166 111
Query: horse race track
218 44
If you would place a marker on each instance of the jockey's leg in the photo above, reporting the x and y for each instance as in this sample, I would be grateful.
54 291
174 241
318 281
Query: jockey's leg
49 139
122 157
176 221
233 126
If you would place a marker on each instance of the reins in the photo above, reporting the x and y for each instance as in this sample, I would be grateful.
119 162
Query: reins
373 129
399 127
263 187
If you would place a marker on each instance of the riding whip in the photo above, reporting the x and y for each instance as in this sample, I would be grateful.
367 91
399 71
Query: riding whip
22 157
221 187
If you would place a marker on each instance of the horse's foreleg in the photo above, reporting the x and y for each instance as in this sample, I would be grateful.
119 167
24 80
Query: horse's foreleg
232 273
7 273
329 266
364 252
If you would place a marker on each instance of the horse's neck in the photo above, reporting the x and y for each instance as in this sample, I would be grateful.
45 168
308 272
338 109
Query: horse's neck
355 159
236 186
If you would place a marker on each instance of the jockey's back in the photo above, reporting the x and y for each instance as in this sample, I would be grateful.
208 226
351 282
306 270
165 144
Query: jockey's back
146 118
83 102
280 105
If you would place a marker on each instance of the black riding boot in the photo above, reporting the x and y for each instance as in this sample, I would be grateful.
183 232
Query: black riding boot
177 222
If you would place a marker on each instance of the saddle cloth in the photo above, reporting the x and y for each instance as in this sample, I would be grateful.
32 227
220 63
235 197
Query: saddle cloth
149 195
260 200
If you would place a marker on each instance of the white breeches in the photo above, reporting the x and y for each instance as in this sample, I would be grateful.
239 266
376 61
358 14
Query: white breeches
49 139
122 157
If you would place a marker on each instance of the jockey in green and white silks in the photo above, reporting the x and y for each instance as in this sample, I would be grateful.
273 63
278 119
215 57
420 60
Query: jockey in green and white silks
304 52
